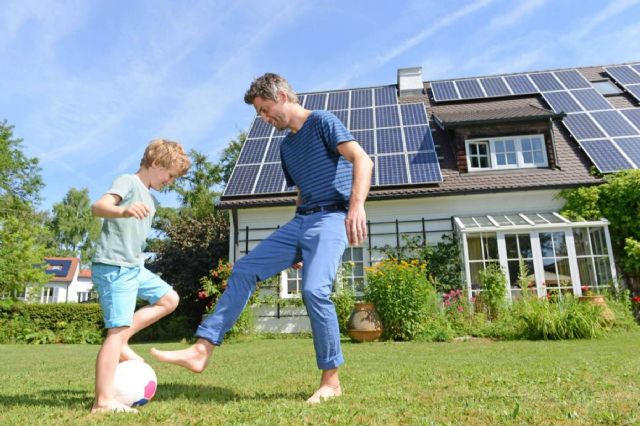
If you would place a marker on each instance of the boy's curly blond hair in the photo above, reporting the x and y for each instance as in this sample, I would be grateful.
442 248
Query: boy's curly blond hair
167 154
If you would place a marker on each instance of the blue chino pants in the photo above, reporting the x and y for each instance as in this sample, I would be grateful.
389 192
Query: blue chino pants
319 240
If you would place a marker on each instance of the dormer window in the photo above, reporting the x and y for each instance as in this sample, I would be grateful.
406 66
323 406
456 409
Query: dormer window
510 152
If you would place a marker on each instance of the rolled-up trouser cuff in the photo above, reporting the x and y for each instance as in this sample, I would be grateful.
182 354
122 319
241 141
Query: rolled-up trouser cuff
330 364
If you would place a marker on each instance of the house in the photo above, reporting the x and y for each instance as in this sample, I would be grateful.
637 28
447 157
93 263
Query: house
67 282
482 159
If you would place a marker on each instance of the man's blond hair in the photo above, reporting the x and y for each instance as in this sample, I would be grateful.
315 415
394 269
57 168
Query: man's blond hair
167 154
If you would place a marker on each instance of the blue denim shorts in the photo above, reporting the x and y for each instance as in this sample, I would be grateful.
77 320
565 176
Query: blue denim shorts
118 288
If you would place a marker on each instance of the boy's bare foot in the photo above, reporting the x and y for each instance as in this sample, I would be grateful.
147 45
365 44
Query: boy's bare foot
112 407
128 354
194 358
324 392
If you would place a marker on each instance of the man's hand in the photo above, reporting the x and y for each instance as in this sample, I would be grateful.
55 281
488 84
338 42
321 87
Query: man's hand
137 210
297 265
356 225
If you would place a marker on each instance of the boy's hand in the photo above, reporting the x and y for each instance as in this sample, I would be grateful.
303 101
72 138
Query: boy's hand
137 210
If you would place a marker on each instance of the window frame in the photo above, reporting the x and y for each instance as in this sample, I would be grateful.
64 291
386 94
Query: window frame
491 146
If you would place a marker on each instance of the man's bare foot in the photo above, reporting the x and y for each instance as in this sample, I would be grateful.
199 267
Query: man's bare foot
112 407
127 354
194 358
324 392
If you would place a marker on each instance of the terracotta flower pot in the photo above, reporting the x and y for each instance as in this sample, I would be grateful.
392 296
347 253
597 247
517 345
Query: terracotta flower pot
607 315
364 323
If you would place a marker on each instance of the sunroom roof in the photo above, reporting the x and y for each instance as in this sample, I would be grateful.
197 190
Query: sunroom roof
516 221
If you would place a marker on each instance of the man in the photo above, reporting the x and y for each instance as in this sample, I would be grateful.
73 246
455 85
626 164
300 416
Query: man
332 173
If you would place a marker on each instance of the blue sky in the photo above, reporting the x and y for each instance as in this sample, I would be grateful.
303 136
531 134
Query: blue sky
88 83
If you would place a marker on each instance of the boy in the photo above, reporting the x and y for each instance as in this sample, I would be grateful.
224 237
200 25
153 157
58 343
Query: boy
118 266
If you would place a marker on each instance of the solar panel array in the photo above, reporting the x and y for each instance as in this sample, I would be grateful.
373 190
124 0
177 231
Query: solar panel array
609 136
397 137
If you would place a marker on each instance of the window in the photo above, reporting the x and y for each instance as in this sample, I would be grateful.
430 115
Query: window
83 296
519 250
48 295
555 262
606 87
593 258
482 249
507 153
353 266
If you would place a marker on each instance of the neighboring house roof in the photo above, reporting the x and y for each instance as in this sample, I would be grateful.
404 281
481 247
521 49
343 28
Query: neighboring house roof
62 269
569 165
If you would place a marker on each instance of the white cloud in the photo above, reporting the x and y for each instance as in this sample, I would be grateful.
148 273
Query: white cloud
586 27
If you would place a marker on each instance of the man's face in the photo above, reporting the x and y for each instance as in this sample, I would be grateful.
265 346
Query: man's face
161 176
272 112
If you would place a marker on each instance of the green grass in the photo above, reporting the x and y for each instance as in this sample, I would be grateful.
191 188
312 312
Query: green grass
267 381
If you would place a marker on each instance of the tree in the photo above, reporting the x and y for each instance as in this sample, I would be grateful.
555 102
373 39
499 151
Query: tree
74 227
230 156
617 200
21 254
196 188
20 180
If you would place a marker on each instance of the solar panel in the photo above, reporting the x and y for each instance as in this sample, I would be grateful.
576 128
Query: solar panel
386 96
361 98
444 91
58 267
259 129
634 89
343 115
253 151
633 115
605 155
316 101
271 179
631 147
591 99
572 79
546 82
389 140
242 180
424 167
413 114
582 126
495 86
520 84
387 116
418 138
561 102
392 169
365 138
614 124
361 119
469 89
623 74
301 99
273 153
338 100
636 67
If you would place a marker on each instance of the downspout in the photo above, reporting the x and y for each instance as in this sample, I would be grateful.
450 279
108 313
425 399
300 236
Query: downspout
553 145
234 220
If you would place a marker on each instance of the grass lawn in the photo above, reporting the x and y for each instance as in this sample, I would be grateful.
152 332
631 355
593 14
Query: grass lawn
267 382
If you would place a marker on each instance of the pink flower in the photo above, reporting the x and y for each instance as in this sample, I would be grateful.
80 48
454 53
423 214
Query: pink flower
636 299
460 309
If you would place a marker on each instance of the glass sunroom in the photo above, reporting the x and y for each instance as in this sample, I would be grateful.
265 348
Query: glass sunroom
561 256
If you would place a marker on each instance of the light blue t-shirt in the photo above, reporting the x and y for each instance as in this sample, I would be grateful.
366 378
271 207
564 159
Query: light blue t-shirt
122 240
311 161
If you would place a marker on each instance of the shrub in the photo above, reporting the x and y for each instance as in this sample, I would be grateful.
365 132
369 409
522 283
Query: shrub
494 290
403 296
343 298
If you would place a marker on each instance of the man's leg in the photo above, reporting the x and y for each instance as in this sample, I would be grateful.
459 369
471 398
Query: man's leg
272 255
323 243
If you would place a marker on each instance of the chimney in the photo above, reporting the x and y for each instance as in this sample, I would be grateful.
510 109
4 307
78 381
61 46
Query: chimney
410 82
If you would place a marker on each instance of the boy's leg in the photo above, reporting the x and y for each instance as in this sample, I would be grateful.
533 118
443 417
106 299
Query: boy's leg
272 255
106 364
323 243
162 301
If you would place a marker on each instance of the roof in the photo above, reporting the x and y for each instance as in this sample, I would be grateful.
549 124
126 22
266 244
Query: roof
62 269
518 222
84 273
448 120
571 166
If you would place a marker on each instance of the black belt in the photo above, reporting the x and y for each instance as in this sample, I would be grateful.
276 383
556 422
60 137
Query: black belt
329 208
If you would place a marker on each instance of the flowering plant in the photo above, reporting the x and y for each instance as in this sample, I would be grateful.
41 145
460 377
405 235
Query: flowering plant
586 291
212 285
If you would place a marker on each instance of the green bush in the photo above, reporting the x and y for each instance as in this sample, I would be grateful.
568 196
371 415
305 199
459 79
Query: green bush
50 323
344 298
494 290
403 297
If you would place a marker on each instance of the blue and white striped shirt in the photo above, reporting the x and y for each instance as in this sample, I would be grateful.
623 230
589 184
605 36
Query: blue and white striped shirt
311 161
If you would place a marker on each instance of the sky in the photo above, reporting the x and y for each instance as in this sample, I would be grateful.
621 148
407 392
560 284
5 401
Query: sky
88 83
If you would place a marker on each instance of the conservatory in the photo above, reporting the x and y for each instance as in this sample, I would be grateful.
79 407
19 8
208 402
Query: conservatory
561 256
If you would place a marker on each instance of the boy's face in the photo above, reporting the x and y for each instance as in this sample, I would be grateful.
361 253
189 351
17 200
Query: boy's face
159 176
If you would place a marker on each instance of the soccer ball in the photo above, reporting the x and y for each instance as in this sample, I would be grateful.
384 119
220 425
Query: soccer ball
135 383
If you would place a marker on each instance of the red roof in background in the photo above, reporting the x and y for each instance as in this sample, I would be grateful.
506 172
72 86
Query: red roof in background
84 273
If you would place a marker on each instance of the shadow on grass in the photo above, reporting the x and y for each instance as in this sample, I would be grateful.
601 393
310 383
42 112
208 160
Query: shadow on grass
83 399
